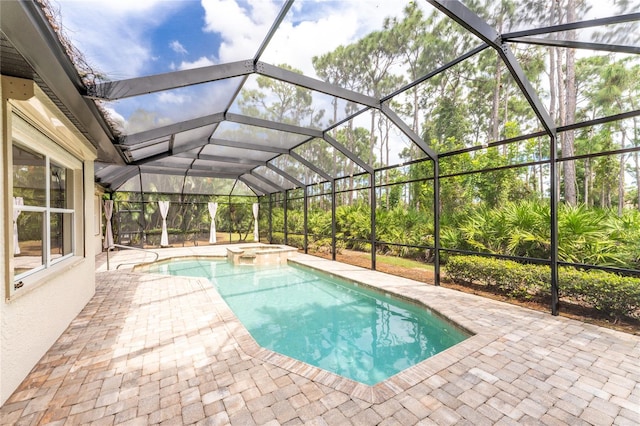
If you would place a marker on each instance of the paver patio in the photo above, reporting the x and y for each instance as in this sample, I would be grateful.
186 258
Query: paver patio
150 349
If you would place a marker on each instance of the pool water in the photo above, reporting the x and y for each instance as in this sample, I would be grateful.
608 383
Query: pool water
332 324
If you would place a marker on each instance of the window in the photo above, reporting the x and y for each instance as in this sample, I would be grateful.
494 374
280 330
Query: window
43 210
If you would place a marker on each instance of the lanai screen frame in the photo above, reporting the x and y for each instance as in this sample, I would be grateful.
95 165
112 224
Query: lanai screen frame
451 8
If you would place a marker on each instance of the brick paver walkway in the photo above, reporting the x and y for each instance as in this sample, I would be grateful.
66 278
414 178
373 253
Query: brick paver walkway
150 349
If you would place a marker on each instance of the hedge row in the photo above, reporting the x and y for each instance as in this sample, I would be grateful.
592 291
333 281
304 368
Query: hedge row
618 296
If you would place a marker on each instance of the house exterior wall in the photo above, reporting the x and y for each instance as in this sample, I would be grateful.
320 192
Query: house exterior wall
34 316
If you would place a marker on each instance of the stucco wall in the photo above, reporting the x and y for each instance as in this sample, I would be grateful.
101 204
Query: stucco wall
4 224
32 318
32 322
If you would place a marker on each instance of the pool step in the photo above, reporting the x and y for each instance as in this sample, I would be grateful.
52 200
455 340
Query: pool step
247 259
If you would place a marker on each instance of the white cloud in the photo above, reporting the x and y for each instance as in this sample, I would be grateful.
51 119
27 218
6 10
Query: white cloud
177 47
291 44
173 98
309 29
114 35
200 62
242 29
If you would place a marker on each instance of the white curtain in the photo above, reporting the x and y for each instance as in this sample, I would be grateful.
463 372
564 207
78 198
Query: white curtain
164 209
108 213
256 236
17 203
213 209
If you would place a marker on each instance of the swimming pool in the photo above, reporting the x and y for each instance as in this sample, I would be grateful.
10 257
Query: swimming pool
324 321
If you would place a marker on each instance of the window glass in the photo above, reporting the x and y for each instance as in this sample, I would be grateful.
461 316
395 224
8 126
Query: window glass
43 213
29 176
28 242
57 187
61 234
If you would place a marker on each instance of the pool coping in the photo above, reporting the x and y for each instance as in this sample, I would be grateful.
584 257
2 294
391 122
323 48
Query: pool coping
401 288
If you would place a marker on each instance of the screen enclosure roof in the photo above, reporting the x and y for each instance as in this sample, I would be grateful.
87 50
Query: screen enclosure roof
275 95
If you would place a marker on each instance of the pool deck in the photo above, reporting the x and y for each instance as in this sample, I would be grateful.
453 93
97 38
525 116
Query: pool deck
150 349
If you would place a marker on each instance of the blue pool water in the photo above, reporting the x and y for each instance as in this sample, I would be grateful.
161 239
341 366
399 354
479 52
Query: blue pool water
326 322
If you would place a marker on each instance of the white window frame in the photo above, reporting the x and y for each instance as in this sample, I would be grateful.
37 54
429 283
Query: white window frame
27 136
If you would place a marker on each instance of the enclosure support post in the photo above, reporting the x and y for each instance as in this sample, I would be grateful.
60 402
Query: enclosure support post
333 219
305 210
286 206
436 221
230 221
270 220
374 202
554 189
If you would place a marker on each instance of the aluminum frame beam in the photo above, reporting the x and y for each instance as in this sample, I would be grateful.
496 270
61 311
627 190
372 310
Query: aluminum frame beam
311 166
274 27
219 175
350 155
181 172
267 181
152 158
172 129
574 26
455 10
435 72
121 89
286 175
404 128
273 125
234 173
255 188
223 159
247 146
133 148
191 145
578 45
117 179
314 84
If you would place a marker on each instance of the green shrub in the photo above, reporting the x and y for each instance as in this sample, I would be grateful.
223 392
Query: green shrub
512 278
615 295
295 241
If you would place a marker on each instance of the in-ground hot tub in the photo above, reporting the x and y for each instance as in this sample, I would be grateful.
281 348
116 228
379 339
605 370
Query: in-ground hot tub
260 255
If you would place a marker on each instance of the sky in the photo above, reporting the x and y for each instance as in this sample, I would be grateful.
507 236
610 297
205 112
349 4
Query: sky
131 38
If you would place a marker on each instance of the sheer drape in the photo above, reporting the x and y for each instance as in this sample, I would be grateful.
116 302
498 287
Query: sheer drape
213 209
164 209
108 213
17 203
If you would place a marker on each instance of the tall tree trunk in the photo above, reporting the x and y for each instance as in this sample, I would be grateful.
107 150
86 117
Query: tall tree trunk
372 142
553 90
416 112
495 107
568 141
587 178
561 91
